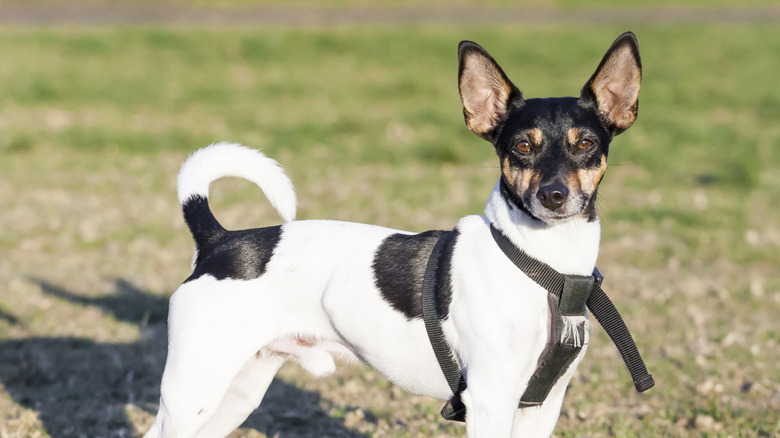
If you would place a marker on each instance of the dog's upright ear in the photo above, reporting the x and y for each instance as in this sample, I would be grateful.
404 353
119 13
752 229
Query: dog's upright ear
485 91
614 87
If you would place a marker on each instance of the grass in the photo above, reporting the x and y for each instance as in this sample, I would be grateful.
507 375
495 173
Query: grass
367 121
563 4
550 4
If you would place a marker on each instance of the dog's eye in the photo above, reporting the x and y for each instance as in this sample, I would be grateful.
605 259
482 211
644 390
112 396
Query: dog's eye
523 146
584 144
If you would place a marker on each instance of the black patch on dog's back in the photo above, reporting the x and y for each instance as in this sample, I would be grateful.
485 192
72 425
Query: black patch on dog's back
238 255
399 267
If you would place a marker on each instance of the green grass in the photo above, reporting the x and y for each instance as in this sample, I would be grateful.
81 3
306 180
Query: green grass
706 114
367 121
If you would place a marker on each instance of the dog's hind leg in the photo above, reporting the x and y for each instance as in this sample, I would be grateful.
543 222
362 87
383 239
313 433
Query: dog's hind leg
212 400
210 343
244 395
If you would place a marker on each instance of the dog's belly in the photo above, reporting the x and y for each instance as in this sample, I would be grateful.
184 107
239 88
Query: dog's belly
328 264
385 339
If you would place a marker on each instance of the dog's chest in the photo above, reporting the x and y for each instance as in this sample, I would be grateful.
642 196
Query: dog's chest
492 300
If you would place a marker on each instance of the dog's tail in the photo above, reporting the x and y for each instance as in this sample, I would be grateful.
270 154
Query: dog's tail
229 159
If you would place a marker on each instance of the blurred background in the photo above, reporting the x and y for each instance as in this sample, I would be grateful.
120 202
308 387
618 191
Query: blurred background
100 102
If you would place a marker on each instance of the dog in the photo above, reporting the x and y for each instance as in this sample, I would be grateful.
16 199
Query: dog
311 290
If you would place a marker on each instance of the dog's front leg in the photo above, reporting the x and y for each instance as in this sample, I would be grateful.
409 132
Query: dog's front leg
491 401
539 421
487 415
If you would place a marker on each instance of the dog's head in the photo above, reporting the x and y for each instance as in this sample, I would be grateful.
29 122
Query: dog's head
553 151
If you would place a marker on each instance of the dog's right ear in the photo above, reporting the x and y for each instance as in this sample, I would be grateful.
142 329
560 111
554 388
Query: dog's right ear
485 90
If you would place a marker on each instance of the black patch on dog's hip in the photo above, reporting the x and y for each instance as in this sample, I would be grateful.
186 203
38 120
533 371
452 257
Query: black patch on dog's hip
399 266
238 255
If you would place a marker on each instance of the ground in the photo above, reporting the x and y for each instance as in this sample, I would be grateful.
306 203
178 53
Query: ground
366 119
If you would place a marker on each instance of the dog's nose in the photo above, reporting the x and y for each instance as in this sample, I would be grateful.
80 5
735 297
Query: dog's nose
552 196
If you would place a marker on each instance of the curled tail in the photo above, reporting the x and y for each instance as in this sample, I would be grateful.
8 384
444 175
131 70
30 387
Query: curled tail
229 159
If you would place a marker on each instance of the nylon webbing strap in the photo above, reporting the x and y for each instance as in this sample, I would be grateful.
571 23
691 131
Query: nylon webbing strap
607 315
541 273
599 304
432 324
547 277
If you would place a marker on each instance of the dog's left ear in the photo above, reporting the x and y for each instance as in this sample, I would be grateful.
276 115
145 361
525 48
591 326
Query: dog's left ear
614 87
485 91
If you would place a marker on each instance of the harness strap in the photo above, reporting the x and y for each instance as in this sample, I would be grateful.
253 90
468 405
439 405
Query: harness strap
432 323
433 286
436 283
561 350
607 315
599 304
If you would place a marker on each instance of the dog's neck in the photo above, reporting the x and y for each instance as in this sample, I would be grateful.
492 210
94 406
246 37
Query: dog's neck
569 247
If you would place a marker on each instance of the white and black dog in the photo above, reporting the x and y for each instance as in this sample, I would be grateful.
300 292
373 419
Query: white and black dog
312 290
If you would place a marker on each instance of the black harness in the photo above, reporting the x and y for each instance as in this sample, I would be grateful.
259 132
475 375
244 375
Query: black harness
568 296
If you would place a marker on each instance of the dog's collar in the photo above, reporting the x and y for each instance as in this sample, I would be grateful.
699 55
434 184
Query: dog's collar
574 292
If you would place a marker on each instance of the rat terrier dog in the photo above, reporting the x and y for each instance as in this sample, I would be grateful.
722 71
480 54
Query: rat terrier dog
312 290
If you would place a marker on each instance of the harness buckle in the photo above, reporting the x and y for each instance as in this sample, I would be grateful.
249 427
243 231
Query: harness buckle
576 290
599 278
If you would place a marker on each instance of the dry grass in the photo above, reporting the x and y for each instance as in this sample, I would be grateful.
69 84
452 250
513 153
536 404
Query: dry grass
92 241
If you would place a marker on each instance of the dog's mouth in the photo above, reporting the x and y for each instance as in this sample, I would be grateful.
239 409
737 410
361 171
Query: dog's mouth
552 203
572 208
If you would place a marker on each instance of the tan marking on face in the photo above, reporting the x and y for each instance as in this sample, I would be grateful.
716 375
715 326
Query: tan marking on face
574 135
536 136
528 178
510 173
518 179
590 178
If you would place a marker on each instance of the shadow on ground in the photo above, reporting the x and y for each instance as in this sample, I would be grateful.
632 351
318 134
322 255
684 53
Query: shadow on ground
83 388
